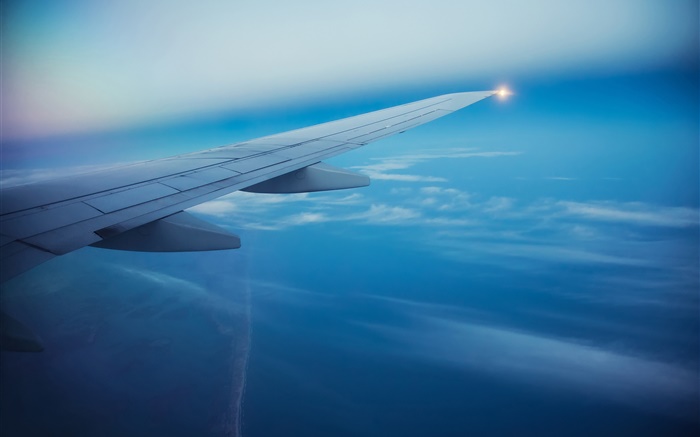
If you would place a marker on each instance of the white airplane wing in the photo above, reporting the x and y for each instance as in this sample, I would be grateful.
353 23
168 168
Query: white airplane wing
141 206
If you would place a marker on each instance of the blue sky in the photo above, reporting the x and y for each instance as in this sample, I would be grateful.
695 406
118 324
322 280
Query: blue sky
524 263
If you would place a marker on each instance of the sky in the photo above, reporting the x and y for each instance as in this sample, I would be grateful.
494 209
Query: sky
81 66
524 264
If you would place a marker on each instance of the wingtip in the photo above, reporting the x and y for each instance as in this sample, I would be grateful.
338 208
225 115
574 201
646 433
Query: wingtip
502 92
460 100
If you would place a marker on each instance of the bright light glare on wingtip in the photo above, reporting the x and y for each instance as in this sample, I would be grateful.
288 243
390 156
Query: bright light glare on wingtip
503 92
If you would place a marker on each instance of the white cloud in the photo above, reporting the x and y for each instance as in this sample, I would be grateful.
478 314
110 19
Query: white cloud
431 190
241 203
382 169
456 152
350 199
570 365
265 199
279 290
498 230
634 213
444 199
386 214
498 204
165 280
182 289
377 214
402 177
443 222
13 177
306 218
559 253
584 232
469 340
217 208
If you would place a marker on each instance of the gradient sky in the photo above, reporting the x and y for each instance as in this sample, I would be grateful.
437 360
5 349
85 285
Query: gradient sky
528 264
77 66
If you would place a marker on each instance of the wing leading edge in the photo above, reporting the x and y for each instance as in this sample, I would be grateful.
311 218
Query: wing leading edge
139 206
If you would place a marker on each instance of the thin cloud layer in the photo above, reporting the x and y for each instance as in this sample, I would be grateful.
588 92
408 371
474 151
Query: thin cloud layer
633 213
450 204
566 364
477 340
500 231
383 169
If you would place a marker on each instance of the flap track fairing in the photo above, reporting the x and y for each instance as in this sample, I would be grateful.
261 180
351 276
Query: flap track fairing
317 177
179 232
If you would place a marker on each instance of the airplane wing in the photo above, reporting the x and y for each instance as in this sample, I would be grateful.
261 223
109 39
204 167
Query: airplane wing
141 206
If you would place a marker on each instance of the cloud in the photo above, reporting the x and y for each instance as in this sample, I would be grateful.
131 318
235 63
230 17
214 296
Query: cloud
498 231
567 364
412 308
217 208
259 204
181 289
636 213
498 204
287 294
382 169
470 340
544 230
350 199
557 253
14 177
456 152
401 177
444 222
501 230
385 214
377 214
163 279
306 218
452 200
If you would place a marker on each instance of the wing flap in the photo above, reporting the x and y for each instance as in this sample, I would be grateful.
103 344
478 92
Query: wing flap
199 178
256 163
43 220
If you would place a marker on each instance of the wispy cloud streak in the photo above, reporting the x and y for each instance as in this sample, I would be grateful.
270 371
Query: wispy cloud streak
615 375
382 170
633 213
